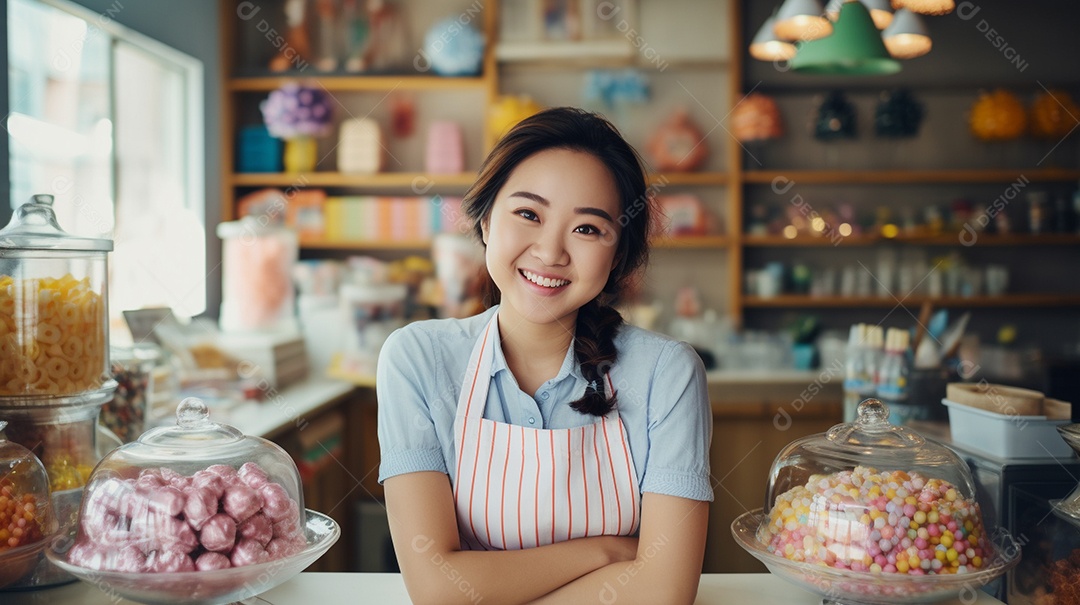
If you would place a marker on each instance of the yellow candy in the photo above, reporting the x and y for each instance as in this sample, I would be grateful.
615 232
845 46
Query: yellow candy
976 561
940 555
951 554
902 566
947 539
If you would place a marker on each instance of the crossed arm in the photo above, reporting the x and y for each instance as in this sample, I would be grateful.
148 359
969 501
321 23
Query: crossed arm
664 566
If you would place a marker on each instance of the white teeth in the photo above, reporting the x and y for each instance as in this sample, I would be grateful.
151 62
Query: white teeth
547 282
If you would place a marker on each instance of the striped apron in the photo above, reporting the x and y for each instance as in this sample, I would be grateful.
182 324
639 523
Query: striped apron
519 487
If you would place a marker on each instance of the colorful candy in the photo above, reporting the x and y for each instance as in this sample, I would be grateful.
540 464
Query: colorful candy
52 336
162 521
20 519
878 522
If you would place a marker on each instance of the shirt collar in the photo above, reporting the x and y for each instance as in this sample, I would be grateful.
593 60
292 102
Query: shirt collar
568 368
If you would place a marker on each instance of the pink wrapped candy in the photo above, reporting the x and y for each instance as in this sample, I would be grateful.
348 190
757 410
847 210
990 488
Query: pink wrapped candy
209 561
166 561
253 475
248 552
258 527
219 533
211 482
277 504
163 521
240 502
200 506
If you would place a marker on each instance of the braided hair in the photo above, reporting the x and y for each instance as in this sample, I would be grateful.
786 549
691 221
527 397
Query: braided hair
598 322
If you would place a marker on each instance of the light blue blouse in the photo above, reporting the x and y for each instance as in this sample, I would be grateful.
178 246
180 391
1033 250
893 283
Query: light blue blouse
662 397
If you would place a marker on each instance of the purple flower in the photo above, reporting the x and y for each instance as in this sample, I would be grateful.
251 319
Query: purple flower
298 111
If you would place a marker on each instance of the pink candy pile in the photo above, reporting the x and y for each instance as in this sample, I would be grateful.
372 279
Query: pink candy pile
165 522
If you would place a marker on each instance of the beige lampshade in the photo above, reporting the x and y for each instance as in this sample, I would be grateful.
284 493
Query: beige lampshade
907 37
926 7
801 20
767 47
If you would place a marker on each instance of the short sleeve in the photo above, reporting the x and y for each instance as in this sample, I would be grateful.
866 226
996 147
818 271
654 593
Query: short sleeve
408 441
680 427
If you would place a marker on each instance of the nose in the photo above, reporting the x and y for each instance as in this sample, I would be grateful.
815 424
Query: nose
550 249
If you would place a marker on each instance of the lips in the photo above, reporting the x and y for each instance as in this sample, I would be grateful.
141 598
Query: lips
543 281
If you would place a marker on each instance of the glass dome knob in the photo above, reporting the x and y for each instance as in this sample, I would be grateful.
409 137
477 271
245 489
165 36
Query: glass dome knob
872 414
192 413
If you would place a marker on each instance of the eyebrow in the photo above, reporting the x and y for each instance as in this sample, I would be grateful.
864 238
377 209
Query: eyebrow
579 210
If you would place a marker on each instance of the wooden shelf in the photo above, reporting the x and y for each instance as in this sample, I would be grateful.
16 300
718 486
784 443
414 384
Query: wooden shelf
333 83
420 180
953 239
911 177
688 178
374 244
797 301
690 242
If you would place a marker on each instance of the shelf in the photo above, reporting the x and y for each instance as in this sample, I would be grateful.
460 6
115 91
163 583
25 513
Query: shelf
797 301
586 50
421 180
884 177
690 242
333 83
952 239
688 178
375 244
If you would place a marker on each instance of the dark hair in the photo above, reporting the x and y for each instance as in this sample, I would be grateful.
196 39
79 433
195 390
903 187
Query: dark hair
577 130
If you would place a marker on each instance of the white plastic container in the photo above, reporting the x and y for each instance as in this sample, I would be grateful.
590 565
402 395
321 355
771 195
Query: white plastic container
1006 436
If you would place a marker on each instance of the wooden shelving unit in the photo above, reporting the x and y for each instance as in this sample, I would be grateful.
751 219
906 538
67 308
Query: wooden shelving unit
359 83
952 239
1005 300
337 179
900 177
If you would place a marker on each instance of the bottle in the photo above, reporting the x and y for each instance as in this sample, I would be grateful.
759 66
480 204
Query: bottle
874 354
892 386
855 375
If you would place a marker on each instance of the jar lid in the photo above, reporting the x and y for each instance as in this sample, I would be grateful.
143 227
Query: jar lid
194 436
33 226
870 441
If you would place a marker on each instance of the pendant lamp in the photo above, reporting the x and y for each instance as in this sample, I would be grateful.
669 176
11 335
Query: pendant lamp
767 47
907 37
880 11
926 7
854 48
801 20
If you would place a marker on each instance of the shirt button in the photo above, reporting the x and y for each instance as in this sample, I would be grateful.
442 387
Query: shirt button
532 420
544 395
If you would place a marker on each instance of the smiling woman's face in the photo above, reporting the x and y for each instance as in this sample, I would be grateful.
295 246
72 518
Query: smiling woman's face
551 236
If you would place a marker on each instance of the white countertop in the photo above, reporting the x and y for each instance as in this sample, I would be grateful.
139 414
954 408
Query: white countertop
388 589
290 407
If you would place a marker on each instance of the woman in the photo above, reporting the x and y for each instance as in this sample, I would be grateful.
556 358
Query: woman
544 450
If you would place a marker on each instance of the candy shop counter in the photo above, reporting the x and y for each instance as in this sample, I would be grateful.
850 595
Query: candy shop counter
286 409
332 588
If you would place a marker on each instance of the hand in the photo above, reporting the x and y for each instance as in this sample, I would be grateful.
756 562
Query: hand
620 548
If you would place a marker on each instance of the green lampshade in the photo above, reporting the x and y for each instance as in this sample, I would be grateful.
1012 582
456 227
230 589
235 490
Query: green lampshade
854 48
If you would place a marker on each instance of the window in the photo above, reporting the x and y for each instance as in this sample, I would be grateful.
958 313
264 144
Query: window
110 123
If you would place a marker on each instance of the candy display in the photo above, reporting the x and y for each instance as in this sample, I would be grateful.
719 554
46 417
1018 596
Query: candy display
298 111
125 413
879 522
998 116
65 448
66 353
162 521
872 512
257 290
26 518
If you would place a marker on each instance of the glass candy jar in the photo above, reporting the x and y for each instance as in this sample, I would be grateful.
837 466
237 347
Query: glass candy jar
194 513
53 309
870 512
26 519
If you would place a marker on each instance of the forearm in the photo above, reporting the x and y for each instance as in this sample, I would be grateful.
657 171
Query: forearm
513 576
628 583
